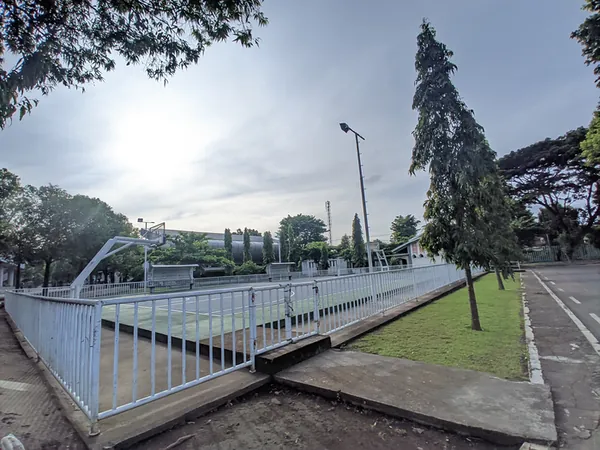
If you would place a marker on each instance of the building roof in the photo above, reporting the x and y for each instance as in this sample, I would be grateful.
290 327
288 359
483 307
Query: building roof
169 266
407 243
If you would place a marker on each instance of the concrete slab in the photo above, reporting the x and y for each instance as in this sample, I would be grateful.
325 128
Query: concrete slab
294 353
463 401
130 427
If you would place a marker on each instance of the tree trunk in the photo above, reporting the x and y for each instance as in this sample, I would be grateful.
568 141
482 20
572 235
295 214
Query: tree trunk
18 276
499 278
475 325
47 264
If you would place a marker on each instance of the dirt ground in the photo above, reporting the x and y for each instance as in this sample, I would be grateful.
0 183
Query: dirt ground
278 418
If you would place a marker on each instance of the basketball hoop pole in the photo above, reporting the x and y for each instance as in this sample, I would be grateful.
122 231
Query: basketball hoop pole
145 268
106 252
145 253
279 248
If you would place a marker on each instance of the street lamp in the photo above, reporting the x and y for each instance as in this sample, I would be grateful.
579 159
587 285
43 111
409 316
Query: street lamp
345 128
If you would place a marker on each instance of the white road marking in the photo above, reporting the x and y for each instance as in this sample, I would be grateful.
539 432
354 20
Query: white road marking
595 317
561 289
588 335
562 359
574 300
14 386
553 283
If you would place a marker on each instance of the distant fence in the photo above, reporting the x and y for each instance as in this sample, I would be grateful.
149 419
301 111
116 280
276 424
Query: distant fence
195 327
108 290
554 253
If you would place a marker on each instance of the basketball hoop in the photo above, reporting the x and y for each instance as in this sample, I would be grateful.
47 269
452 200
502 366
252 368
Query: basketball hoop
156 233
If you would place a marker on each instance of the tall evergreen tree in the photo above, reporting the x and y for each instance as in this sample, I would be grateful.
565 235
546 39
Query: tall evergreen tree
247 255
268 251
228 243
451 144
359 252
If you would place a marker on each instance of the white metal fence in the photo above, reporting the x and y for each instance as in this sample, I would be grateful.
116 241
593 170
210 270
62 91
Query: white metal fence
65 334
108 290
154 345
555 253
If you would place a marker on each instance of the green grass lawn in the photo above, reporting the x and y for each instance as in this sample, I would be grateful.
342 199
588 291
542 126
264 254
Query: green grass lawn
440 333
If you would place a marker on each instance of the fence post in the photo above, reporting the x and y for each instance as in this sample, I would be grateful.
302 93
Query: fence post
253 332
95 369
412 271
316 312
289 310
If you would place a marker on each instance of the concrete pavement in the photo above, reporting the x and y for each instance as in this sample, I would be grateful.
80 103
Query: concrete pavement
464 401
570 364
27 408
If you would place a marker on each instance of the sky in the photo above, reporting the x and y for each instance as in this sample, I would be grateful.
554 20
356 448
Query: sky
248 136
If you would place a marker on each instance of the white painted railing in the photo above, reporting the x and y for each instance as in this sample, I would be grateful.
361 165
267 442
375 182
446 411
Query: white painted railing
151 346
107 290
65 333
347 300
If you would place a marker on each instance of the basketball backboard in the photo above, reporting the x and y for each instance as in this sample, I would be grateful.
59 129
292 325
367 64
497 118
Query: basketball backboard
156 232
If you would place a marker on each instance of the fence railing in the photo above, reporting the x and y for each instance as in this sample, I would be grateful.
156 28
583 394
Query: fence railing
65 333
107 290
115 354
555 253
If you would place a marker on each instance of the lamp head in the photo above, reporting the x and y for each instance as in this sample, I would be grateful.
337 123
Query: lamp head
344 126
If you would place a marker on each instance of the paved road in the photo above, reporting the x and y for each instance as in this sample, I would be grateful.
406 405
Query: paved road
578 286
570 364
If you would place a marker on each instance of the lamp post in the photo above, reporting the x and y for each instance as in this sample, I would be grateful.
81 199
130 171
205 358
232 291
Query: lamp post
279 248
141 220
345 128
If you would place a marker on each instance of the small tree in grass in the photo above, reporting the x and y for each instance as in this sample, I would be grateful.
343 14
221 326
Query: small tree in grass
497 217
451 144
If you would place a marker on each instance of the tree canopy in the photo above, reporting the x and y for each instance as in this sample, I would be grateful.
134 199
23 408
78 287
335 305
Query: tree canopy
553 174
588 35
590 146
56 234
345 248
403 228
296 232
73 43
191 248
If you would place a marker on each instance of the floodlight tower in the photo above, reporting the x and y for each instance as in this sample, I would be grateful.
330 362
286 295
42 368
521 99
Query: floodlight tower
328 210
345 128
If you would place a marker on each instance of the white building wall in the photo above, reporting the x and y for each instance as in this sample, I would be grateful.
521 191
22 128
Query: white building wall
420 257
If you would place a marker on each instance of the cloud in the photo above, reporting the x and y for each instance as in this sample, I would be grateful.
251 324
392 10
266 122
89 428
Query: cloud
249 136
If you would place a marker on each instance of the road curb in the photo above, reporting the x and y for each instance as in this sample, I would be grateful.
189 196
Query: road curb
534 365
